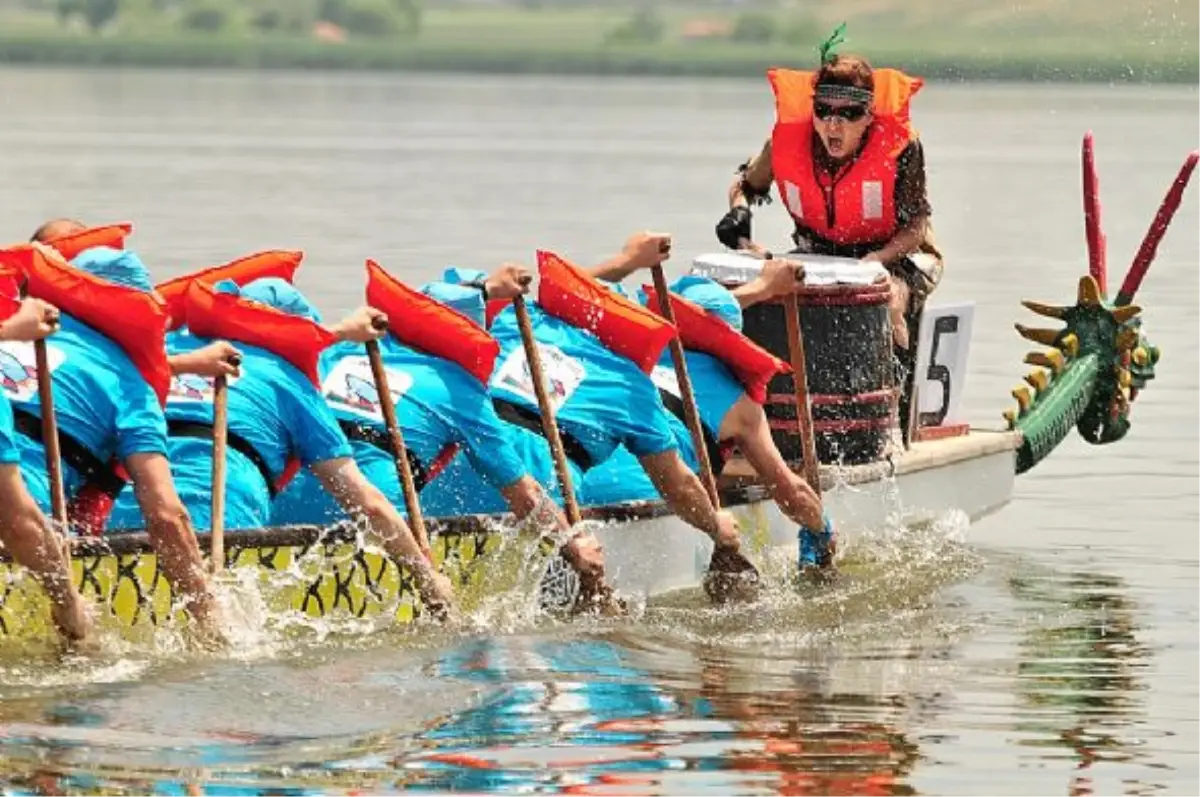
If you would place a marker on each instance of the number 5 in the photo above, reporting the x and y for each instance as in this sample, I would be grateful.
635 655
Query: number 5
944 325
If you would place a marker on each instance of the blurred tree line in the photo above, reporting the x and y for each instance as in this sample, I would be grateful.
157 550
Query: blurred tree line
378 18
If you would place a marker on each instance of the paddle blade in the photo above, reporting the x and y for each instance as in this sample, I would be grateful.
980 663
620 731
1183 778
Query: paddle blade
731 578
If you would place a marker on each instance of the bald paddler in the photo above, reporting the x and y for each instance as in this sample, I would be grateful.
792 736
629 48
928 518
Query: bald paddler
276 415
603 401
213 360
729 417
443 411
25 531
107 405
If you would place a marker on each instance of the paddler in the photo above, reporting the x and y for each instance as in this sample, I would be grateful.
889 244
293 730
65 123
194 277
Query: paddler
603 400
25 530
109 375
443 408
850 169
278 420
729 386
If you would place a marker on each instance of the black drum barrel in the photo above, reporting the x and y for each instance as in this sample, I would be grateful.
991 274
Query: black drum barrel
848 350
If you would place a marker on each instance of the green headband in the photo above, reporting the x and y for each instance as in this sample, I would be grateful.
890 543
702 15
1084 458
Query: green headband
829 45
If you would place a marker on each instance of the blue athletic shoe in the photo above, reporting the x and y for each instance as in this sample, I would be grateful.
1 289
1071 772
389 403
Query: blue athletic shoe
816 547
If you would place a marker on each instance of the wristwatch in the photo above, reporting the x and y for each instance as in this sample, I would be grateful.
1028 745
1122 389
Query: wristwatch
481 284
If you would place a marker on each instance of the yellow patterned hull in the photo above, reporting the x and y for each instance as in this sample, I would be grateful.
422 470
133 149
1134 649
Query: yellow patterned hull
316 579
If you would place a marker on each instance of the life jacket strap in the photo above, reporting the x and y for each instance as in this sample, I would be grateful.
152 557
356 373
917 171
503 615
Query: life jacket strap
374 436
90 467
528 419
204 431
717 453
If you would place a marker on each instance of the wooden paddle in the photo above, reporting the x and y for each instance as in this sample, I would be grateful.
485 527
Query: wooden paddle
387 407
58 496
220 429
791 310
732 566
549 425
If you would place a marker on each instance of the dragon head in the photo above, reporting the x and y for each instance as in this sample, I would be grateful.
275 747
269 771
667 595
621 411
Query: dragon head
1101 360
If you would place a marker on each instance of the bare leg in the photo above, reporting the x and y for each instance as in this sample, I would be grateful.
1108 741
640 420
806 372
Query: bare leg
33 544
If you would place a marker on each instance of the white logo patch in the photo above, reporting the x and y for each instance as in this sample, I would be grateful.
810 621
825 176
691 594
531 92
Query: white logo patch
872 199
664 378
193 388
791 198
350 386
563 374
18 368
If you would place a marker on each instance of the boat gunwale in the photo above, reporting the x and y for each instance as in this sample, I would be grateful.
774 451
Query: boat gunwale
738 489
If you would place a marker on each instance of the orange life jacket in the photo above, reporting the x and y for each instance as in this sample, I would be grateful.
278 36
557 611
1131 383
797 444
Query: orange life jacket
702 331
623 326
279 263
426 324
861 197
110 235
10 291
135 321
239 320
298 340
495 307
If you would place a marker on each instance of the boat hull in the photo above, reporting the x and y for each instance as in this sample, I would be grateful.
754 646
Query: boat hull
326 573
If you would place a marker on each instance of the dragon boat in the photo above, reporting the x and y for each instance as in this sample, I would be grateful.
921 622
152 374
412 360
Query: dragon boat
890 450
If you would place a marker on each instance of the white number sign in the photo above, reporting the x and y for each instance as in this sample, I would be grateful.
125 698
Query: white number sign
941 370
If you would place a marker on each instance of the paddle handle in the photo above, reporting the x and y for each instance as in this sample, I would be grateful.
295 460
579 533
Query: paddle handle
686 394
220 431
416 520
812 468
58 495
549 425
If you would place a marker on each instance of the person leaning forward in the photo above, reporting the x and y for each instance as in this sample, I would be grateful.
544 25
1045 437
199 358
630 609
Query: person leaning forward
850 169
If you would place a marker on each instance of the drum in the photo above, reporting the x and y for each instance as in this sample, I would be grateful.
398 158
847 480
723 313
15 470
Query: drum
848 349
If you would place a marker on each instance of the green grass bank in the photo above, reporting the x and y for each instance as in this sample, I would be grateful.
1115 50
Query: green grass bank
1047 41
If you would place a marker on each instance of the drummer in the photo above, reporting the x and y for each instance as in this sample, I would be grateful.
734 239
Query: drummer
851 171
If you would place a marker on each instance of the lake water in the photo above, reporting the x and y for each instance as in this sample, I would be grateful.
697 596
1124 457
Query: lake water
1049 649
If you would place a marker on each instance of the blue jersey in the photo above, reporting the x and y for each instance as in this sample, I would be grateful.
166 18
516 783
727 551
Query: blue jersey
716 390
439 406
602 403
272 407
9 453
101 402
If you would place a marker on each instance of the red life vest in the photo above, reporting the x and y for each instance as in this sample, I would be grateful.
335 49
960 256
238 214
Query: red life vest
110 235
135 321
298 340
861 196
702 331
239 320
10 291
623 326
426 324
279 263
495 307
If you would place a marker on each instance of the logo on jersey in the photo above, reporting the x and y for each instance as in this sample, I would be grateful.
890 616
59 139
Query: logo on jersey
196 388
664 378
563 374
18 368
351 386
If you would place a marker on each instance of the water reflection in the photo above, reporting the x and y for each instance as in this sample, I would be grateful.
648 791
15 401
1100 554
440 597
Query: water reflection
581 717
1080 673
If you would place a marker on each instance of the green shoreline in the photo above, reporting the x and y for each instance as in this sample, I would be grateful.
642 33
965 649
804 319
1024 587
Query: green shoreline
497 57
